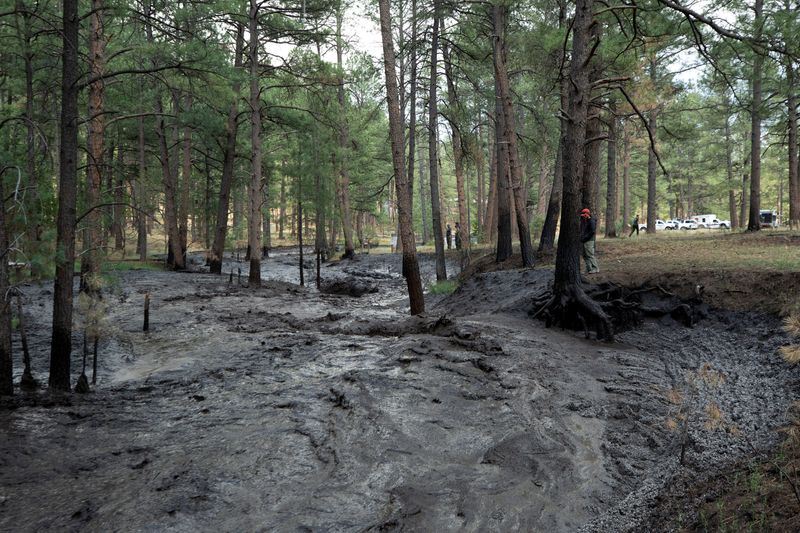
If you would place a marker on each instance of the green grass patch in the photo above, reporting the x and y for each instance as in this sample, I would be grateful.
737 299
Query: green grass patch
124 266
444 287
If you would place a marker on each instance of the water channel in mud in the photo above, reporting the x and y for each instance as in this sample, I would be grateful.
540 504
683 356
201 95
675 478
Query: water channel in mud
287 409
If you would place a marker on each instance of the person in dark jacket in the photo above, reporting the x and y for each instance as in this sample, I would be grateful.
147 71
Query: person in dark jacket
588 231
449 236
635 226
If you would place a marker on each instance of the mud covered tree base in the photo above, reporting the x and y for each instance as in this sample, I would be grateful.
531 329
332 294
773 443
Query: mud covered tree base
608 308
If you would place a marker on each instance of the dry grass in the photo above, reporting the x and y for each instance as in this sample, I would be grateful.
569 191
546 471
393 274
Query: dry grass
791 354
792 325
763 251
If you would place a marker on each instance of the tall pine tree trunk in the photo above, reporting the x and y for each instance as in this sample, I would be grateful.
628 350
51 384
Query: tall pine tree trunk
186 177
611 174
6 362
626 180
548 238
95 138
254 190
729 172
61 344
508 135
458 157
343 183
410 264
228 163
433 153
794 169
754 222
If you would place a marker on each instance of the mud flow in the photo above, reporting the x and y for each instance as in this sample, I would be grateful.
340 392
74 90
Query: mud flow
290 409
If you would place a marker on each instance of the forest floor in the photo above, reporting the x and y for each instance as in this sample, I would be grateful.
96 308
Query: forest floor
289 409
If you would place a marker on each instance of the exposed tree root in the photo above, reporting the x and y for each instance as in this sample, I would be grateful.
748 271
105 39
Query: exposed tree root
608 308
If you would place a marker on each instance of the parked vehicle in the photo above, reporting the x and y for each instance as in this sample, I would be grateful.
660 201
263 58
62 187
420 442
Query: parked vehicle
673 224
660 224
711 221
687 224
769 218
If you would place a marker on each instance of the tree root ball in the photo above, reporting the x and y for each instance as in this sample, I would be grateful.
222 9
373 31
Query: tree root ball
608 308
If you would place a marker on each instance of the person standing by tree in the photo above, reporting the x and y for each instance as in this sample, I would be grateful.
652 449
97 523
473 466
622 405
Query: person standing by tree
449 236
635 226
588 230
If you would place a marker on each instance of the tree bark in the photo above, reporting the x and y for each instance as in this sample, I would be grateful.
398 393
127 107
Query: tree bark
138 188
6 361
729 170
508 135
61 344
95 138
343 184
433 152
228 162
548 237
410 264
118 225
480 168
754 222
794 169
186 178
254 190
490 220
611 167
626 181
458 157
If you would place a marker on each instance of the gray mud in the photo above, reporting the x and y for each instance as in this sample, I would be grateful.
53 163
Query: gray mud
286 409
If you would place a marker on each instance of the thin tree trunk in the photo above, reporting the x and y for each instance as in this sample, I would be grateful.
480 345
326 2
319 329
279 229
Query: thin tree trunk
410 264
626 181
433 153
254 191
611 167
458 158
504 233
91 258
118 225
186 177
138 188
228 161
282 208
652 123
754 222
480 168
343 184
490 220
729 172
794 169
6 361
423 201
61 344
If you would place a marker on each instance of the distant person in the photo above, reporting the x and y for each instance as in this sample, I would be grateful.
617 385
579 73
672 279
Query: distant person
635 226
458 236
449 234
588 231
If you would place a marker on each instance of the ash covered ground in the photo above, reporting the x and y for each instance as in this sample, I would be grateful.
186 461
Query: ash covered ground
288 409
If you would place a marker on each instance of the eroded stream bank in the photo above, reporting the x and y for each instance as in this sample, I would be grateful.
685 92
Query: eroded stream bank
283 409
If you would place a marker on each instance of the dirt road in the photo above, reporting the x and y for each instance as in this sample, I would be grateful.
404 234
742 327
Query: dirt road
283 409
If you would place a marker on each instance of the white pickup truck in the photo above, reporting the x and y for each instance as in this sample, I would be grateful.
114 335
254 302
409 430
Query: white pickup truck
660 224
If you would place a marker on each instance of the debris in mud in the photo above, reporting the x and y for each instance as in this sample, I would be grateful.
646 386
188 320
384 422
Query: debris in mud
349 286
623 307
